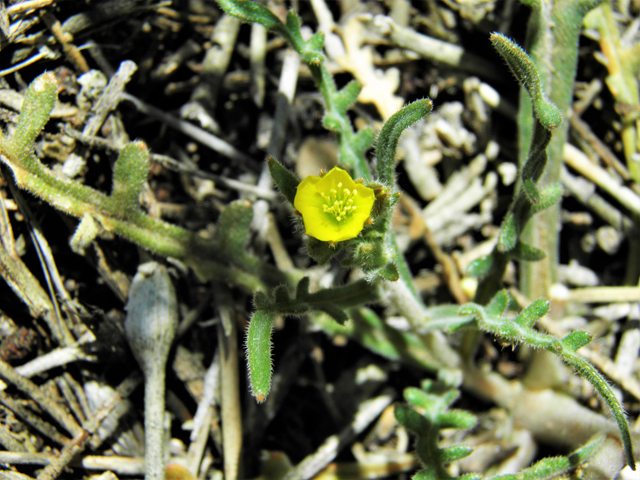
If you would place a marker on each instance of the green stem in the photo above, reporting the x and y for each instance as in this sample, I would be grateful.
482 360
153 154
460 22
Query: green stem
552 42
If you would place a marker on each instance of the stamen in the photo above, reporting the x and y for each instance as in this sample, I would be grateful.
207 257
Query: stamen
339 201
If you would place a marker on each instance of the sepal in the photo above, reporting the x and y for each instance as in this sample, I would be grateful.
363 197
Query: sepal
322 252
286 181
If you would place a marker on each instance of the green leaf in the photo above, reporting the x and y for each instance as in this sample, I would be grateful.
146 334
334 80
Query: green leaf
537 157
498 304
258 345
527 74
261 301
335 312
36 108
472 309
576 340
508 236
86 232
456 452
253 12
491 319
347 95
314 46
362 141
232 230
534 312
549 195
410 419
419 398
585 452
389 272
390 135
531 191
457 419
302 290
281 296
286 181
527 253
130 173
480 267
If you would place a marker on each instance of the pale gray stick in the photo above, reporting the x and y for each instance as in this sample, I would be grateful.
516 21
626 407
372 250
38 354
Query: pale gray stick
368 411
198 134
429 47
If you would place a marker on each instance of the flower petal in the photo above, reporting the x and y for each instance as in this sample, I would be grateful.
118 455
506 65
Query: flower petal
325 226
330 180
307 197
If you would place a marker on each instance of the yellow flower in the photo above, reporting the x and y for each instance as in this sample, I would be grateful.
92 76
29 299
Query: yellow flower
334 208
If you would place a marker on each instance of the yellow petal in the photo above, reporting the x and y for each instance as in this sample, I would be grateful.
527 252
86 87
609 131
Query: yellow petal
307 197
333 178
324 226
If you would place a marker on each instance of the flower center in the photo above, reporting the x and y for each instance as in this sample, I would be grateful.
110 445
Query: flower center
339 202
